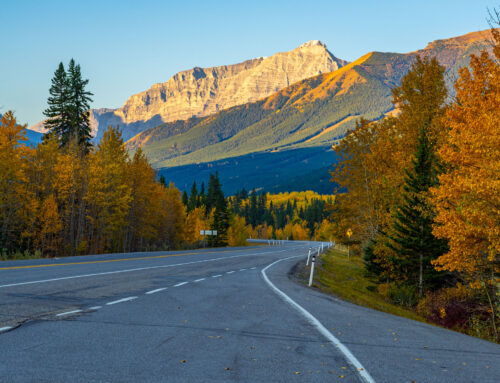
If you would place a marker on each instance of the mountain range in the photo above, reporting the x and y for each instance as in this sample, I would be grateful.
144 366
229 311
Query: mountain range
269 123
201 92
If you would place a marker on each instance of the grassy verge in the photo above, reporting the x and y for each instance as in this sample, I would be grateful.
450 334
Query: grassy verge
346 278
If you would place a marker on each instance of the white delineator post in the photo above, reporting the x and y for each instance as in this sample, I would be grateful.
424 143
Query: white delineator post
308 256
311 275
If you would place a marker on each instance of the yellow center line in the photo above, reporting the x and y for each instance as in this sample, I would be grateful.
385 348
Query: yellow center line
114 260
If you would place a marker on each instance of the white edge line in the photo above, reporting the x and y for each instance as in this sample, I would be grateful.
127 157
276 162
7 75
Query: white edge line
242 269
199 280
68 313
155 291
181 284
95 308
316 323
217 276
121 300
137 269
2 329
229 272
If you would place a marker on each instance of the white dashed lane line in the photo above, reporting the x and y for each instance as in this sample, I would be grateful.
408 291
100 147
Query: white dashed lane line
69 313
6 328
156 291
121 300
132 298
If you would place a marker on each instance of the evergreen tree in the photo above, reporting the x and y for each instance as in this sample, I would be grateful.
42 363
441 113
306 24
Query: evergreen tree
162 180
217 202
201 196
185 199
412 240
79 105
58 116
69 110
193 198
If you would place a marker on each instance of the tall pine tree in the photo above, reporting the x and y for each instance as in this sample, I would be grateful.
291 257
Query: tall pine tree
79 105
217 203
412 238
68 115
58 111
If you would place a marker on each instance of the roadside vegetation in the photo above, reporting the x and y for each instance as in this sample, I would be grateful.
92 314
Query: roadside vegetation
347 278
422 207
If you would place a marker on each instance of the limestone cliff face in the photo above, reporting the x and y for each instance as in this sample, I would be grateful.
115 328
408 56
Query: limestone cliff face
204 91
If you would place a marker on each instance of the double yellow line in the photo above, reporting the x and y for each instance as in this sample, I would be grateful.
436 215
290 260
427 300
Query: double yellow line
115 260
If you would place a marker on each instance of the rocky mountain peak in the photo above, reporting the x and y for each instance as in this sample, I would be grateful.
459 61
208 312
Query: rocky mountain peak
313 43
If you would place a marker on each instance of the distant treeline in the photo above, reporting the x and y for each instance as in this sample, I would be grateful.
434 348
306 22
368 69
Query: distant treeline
294 215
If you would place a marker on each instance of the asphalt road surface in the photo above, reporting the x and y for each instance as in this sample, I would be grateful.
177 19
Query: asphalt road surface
214 315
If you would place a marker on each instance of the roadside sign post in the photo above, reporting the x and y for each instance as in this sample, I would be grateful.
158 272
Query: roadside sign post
205 233
308 256
348 233
313 260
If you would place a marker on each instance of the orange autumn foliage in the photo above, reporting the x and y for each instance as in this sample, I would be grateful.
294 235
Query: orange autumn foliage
468 199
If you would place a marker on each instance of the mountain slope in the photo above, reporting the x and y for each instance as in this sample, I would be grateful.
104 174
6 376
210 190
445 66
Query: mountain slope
311 113
204 91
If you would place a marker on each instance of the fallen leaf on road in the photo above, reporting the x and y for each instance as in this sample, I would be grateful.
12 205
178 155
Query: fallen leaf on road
228 368
297 372
395 338
183 361
344 368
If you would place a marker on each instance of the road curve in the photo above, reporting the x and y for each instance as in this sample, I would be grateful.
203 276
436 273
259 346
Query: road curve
211 315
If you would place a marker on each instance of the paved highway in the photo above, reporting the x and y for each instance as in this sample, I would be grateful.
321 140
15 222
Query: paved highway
214 315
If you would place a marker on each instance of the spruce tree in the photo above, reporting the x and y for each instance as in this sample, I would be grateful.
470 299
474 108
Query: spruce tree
185 199
162 180
201 195
216 201
68 114
79 105
193 197
57 113
412 240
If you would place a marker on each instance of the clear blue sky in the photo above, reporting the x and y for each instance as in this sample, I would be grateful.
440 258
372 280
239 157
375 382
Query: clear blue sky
126 46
